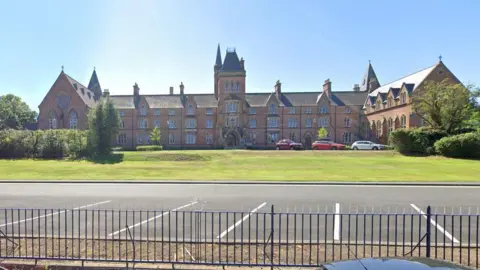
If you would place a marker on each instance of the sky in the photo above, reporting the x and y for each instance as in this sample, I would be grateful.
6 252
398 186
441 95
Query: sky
162 43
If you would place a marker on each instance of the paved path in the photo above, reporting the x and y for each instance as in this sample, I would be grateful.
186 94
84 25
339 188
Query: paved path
345 211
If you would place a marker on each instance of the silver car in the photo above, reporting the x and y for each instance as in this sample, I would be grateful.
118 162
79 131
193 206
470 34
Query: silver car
367 145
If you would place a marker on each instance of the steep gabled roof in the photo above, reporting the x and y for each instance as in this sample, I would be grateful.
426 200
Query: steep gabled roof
367 77
412 81
218 61
85 94
94 85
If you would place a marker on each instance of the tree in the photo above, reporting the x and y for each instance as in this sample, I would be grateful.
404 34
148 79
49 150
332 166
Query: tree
155 136
322 133
474 120
14 113
442 105
103 125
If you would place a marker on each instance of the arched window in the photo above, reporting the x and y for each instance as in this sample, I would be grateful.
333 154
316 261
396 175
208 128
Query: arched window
390 125
403 98
403 121
379 129
190 109
73 120
272 108
237 86
52 120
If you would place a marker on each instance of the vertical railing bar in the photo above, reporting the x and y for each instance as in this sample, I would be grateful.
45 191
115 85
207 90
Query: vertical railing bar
411 233
241 241
356 233
93 234
19 230
148 236
280 237
318 238
460 235
469 232
310 247
429 231
341 235
403 233
396 233
348 234
453 232
264 234
419 233
227 242
380 216
219 238
444 236
213 230
287 238
303 236
436 235
388 234
45 232
295 238
477 242
371 233
250 240
235 236
364 232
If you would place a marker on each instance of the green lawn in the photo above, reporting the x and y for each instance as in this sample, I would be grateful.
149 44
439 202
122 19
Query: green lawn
248 165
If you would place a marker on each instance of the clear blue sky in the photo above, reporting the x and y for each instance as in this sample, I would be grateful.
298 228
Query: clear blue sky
161 43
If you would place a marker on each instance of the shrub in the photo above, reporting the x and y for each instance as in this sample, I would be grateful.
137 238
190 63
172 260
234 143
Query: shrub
415 141
149 148
465 145
56 143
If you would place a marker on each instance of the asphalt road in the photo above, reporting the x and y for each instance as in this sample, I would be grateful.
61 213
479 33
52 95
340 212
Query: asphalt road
241 212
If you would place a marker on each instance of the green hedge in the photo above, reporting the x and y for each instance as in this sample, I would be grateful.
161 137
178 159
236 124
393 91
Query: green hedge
46 144
460 146
149 148
415 141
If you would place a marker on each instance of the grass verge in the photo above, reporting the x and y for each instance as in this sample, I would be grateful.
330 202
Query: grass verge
247 165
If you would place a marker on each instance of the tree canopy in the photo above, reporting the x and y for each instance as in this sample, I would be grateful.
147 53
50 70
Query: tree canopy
103 125
14 113
443 105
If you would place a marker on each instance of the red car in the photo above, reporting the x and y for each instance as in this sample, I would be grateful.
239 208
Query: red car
286 144
327 145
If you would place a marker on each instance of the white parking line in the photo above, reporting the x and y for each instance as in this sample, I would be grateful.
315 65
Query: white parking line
442 230
241 220
336 228
153 218
54 214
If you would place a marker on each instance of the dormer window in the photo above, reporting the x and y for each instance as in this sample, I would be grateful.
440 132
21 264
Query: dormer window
403 98
190 109
88 94
272 109
390 102
143 110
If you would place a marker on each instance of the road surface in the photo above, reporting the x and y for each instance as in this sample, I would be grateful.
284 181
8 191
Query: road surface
232 212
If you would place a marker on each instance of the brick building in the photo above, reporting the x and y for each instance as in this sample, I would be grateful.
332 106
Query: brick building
231 116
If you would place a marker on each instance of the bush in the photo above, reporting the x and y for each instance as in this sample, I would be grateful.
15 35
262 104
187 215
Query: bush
465 145
149 148
415 141
56 143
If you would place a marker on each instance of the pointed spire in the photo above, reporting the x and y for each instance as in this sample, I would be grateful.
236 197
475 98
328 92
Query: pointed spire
368 77
218 61
94 84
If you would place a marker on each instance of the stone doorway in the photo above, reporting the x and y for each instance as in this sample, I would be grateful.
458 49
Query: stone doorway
231 140
308 142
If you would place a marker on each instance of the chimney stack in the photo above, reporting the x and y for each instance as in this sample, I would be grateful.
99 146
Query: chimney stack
181 88
356 88
327 87
171 90
136 90
278 88
106 93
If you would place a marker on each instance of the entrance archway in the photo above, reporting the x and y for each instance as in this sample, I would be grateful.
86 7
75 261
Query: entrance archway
231 140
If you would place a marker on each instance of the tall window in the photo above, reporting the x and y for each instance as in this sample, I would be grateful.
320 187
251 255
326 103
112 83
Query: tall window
390 102
308 122
190 109
390 125
403 98
253 137
171 124
292 110
190 123
292 122
379 129
253 123
122 124
323 109
157 112
347 122
292 136
252 111
308 110
121 113
52 120
209 111
142 123
122 139
237 86
403 121
231 107
171 112
379 105
272 109
143 110
171 138
347 137
232 86
272 122
73 120
226 86
139 139
347 110
209 139
323 122
156 123
190 138
273 137
209 123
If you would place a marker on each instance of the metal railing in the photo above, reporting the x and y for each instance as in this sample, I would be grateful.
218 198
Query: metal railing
248 238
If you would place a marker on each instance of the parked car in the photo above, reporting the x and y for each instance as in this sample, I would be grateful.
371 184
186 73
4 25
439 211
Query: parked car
327 145
367 145
286 144
403 263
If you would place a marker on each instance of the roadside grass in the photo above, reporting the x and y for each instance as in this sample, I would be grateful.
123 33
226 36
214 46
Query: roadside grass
247 165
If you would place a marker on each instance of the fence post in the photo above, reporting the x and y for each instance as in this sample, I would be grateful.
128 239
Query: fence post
429 220
272 223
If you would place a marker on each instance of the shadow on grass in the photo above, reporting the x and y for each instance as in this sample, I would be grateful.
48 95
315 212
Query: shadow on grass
107 159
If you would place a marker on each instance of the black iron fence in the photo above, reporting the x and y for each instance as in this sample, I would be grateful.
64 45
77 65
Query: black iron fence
234 238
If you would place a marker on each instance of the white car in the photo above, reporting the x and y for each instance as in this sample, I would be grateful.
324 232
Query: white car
367 145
